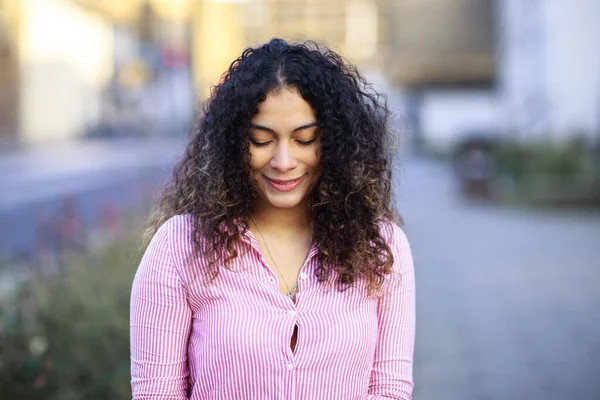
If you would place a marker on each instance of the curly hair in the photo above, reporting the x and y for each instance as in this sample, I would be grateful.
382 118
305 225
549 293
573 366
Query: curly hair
353 195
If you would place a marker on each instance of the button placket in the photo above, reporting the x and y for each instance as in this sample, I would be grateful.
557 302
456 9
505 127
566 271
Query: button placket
303 279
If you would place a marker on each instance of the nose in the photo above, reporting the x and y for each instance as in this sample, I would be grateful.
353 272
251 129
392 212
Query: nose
283 159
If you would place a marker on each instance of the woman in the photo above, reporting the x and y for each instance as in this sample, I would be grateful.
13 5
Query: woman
275 270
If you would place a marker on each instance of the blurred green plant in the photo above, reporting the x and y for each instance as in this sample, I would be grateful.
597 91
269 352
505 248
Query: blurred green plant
67 337
545 171
546 157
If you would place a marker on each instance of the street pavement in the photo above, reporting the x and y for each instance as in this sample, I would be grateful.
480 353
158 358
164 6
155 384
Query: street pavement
42 172
508 300
91 175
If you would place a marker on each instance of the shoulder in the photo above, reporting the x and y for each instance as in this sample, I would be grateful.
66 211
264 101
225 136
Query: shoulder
393 234
397 241
174 235
176 228
173 242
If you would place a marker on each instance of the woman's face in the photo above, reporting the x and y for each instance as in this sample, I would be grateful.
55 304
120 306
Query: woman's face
284 149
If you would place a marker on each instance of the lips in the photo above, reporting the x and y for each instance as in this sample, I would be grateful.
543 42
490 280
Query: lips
284 182
282 185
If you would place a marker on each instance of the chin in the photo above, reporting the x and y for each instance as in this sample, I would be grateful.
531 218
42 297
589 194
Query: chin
283 200
281 203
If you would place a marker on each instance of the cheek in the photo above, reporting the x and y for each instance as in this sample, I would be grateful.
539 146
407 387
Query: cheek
258 160
314 160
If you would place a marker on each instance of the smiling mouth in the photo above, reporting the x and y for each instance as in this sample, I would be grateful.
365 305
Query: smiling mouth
284 185
284 182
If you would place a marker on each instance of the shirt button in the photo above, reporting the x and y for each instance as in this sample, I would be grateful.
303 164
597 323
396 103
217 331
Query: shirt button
271 279
289 366
291 313
303 275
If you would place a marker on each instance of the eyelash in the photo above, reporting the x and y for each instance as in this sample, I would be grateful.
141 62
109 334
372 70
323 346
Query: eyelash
306 142
259 144
300 142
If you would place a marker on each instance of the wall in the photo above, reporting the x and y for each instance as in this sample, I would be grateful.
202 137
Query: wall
550 67
218 39
65 59
449 115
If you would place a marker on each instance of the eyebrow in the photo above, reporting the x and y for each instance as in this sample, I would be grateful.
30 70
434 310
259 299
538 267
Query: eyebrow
302 127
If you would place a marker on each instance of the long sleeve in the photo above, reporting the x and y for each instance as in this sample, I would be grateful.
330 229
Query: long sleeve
160 321
391 377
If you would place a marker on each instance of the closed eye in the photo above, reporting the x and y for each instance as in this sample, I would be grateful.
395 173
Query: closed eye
306 142
260 144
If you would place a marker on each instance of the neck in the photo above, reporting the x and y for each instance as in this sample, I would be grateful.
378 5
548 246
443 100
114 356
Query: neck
282 220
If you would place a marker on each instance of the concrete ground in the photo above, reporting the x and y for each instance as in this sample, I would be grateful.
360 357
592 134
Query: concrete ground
508 300
86 178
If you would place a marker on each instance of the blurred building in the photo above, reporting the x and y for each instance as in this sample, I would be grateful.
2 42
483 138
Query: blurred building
218 39
550 62
439 42
9 72
111 67
75 67
85 67
322 21
56 58
348 26
222 29
442 54
525 68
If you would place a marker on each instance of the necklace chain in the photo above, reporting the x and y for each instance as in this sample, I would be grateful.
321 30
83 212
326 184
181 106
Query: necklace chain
291 291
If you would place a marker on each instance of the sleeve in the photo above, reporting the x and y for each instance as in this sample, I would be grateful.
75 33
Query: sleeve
160 321
391 377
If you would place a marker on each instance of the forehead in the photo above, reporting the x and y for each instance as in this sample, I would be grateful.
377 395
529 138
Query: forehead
284 105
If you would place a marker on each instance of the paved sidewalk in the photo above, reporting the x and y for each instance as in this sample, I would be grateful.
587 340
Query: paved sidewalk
39 173
507 300
90 176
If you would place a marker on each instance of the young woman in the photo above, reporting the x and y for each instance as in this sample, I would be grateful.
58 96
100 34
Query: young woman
274 268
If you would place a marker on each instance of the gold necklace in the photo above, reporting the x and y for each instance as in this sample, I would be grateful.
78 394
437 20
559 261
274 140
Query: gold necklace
291 291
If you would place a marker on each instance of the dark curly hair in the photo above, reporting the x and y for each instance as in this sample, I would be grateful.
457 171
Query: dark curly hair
353 195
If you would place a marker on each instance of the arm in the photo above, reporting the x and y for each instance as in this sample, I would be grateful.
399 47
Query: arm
160 321
391 377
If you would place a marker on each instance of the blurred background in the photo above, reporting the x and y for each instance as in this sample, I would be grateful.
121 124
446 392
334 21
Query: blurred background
497 110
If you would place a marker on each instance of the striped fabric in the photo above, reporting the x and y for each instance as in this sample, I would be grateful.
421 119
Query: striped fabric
231 339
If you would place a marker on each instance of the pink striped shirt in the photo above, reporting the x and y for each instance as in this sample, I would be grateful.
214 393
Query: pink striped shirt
231 339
